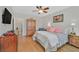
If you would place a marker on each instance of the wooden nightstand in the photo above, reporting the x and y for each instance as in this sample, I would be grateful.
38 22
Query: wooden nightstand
73 40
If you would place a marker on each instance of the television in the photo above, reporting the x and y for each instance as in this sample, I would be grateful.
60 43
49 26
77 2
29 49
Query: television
6 17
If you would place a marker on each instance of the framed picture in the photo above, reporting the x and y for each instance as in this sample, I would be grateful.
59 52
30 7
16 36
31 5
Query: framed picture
58 18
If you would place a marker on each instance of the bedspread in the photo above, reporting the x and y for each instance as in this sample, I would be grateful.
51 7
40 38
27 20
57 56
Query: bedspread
50 40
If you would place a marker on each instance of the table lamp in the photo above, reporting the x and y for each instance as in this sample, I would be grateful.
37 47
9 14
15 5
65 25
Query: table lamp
73 26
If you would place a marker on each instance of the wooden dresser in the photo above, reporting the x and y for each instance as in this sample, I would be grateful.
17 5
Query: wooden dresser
31 27
74 40
8 43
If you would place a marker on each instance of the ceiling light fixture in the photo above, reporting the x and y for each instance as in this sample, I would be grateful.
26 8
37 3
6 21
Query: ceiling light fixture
41 9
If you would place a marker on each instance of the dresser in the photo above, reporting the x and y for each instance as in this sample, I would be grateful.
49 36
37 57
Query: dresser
8 43
73 40
30 27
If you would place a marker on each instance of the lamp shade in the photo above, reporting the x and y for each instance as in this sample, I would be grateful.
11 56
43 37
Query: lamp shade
73 24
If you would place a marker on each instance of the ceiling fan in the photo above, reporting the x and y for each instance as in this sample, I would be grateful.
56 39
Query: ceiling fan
41 9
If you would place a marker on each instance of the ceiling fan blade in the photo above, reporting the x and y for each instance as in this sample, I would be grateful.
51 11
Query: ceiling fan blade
39 7
45 11
46 8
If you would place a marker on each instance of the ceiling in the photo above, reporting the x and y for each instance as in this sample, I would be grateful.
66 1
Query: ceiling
28 10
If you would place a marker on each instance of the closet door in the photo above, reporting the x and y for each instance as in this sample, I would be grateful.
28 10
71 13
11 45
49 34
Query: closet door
31 27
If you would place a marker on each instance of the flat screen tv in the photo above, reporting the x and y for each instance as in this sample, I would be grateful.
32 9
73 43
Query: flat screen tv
6 17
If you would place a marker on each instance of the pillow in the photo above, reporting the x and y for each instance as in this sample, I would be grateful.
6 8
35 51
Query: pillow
54 29
57 29
9 33
41 29
50 29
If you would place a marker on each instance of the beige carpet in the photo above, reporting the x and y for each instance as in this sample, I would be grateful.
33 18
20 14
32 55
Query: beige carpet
68 48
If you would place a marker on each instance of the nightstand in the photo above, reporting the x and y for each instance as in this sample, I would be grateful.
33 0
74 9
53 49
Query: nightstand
73 40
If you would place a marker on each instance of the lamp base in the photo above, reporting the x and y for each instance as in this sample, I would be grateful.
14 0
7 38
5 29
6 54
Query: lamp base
73 33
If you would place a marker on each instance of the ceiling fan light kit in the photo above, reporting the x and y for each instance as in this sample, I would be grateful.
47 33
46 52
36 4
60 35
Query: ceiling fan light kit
40 11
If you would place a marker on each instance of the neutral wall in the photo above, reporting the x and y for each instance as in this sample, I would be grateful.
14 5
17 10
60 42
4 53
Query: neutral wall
5 27
70 14
22 25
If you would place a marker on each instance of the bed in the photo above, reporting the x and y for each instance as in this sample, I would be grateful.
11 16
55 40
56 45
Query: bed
50 40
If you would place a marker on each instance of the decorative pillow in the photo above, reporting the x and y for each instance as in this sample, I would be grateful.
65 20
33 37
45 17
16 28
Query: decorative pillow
49 25
9 33
50 29
54 29
41 29
57 29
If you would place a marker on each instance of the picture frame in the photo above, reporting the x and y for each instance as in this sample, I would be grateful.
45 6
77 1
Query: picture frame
58 18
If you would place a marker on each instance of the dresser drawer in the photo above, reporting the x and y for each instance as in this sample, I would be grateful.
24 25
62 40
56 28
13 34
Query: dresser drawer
77 43
74 40
9 43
